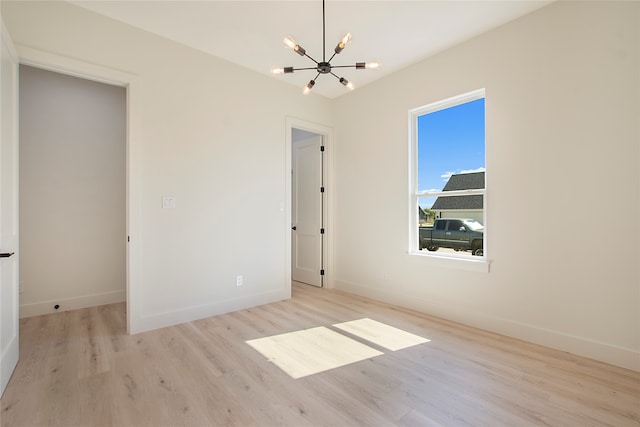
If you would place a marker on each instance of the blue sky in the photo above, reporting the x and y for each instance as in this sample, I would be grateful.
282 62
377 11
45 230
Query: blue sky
450 141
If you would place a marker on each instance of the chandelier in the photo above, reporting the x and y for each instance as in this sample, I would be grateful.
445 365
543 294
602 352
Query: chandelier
324 66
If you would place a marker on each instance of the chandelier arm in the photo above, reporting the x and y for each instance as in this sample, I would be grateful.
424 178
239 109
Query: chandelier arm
311 58
334 75
304 69
343 66
332 56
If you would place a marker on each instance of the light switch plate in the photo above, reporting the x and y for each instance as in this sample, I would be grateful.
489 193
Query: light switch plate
168 202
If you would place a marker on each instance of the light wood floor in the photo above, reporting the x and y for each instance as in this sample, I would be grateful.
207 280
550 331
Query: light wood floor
80 368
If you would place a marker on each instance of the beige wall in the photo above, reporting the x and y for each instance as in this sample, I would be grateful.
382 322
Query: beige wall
562 108
72 192
202 130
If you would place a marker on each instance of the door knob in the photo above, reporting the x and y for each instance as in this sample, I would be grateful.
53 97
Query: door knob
294 227
6 254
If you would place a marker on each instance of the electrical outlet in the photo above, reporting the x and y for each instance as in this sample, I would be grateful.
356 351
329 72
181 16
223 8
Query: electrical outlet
238 280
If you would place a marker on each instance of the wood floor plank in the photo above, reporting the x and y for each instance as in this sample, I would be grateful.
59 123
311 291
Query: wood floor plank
80 368
96 396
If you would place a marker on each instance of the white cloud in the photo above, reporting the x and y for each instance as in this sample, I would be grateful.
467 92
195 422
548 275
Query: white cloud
445 176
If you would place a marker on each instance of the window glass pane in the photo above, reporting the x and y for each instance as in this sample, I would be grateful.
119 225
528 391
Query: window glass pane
459 207
450 152
425 214
451 142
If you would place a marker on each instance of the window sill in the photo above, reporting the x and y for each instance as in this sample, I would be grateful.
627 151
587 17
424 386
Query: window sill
455 261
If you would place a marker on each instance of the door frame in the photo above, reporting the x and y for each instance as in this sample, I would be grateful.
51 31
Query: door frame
327 133
10 353
64 65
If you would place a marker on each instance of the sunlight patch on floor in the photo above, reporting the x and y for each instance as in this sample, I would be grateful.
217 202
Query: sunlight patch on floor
383 335
311 351
320 349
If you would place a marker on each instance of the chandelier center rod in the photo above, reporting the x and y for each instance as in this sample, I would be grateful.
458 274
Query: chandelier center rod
324 38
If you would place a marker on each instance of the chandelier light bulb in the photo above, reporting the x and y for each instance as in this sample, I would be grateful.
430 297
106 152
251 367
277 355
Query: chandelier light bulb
290 42
372 65
277 70
308 87
345 39
342 43
349 85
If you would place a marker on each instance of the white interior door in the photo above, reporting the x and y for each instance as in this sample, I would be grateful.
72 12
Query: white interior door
9 323
306 215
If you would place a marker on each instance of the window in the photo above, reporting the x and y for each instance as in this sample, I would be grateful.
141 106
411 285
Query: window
455 225
447 177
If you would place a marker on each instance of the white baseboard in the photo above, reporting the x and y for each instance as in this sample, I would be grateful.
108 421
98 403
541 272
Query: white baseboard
161 320
625 358
66 304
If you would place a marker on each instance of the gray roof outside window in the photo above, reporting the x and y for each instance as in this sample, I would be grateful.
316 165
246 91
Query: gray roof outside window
463 181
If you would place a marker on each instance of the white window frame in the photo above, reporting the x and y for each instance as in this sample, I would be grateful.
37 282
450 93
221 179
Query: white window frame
474 263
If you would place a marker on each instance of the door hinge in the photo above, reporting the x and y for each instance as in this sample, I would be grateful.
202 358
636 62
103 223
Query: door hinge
322 231
322 189
322 272
322 148
128 239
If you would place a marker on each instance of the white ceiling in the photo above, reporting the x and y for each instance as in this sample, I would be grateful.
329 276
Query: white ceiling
250 33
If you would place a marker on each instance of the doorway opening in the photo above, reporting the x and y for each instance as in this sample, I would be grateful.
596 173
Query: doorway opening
73 182
308 202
